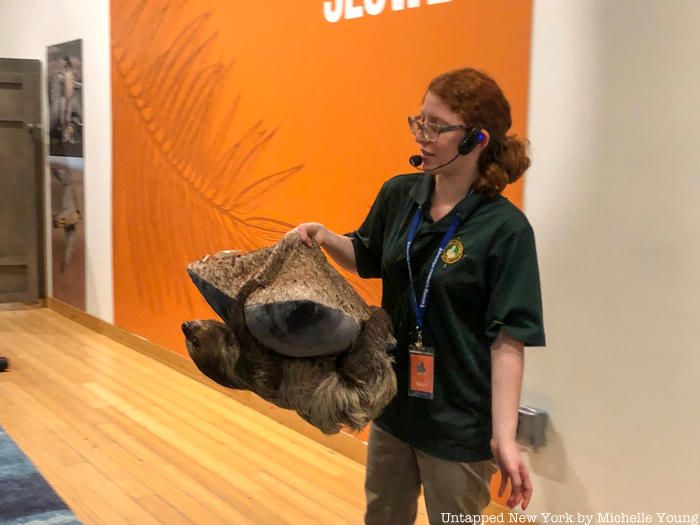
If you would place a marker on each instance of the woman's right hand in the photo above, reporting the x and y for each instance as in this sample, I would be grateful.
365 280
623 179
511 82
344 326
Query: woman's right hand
309 231
339 247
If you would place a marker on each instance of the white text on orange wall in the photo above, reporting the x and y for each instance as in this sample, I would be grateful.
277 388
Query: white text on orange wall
336 10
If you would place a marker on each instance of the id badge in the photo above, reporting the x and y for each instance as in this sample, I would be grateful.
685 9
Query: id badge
422 371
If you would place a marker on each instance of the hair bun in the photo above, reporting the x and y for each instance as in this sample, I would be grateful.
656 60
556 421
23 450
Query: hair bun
513 157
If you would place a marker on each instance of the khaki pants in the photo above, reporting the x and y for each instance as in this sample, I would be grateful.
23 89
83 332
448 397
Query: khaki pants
396 470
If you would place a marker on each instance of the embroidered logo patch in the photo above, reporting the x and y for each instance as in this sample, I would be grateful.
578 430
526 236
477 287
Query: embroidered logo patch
453 252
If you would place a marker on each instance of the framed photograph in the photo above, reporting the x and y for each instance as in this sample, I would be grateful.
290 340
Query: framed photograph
65 89
68 230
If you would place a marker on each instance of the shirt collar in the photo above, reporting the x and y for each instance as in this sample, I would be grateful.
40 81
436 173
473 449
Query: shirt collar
423 189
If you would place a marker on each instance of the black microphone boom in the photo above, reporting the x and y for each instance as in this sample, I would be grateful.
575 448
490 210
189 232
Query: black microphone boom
469 142
415 160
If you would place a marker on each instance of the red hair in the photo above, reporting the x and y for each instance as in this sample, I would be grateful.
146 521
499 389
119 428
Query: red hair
480 102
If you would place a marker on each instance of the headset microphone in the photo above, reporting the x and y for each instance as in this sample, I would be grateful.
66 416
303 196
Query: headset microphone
468 143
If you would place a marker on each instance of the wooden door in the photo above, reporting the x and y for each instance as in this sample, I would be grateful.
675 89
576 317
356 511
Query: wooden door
21 182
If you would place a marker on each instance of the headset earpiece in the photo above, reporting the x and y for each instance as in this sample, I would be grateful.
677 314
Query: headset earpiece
470 141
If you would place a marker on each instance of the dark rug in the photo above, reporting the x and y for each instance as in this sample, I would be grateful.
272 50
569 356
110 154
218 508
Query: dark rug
25 496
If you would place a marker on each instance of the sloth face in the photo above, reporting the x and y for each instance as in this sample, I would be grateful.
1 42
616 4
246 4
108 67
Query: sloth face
213 348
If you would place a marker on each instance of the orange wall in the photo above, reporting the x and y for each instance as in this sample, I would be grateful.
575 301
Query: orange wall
234 121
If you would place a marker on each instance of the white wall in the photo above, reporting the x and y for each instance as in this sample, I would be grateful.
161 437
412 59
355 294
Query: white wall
613 196
27 27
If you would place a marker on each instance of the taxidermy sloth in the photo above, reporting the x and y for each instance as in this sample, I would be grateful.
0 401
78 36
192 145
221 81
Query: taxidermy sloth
295 333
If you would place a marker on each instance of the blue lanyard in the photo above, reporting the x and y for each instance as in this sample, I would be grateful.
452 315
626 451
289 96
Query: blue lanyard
420 309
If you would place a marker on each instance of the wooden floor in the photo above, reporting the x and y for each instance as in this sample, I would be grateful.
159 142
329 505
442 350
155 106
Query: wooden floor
124 439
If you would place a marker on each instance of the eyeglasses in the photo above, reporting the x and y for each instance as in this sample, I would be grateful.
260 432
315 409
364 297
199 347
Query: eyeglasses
429 130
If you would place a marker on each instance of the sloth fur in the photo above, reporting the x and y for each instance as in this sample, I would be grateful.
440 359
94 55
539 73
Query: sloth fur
330 389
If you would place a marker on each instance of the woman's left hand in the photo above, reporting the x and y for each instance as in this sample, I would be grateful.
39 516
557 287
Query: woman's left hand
512 467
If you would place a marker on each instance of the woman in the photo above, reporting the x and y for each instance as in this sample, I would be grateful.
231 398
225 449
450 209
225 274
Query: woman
460 281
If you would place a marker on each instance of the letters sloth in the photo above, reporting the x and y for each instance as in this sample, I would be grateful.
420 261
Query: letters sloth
295 333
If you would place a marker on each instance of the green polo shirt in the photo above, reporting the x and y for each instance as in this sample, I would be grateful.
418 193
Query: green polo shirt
490 284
